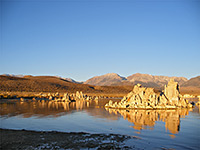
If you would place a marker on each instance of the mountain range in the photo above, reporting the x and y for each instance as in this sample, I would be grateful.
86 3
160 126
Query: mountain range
144 79
106 80
109 83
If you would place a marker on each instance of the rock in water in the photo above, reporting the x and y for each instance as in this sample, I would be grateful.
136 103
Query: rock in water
145 98
171 91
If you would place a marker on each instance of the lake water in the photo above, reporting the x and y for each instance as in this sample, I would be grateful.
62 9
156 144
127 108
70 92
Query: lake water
155 129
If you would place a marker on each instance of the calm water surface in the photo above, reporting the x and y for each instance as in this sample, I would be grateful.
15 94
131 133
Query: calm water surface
156 129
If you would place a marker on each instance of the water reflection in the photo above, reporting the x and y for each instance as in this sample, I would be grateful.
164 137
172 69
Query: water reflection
46 108
146 119
40 108
141 119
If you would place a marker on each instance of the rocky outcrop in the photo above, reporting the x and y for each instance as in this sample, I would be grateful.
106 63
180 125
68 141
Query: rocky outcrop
66 97
71 97
145 98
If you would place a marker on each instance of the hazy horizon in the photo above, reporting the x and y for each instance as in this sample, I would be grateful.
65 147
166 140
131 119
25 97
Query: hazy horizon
82 39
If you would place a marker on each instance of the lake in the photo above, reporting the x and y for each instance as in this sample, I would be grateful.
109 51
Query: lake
155 129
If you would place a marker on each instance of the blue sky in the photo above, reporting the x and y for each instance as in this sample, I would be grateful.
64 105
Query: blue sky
85 38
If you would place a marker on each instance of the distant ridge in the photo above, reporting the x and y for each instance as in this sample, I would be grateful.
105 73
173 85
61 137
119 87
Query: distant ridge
158 81
107 79
72 80
69 79
193 82
144 79
12 75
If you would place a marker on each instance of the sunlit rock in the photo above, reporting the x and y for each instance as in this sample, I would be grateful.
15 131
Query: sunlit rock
198 97
50 97
66 98
72 97
96 98
171 91
57 94
188 96
21 99
145 98
198 103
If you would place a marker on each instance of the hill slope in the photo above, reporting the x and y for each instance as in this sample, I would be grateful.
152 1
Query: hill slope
193 82
53 84
39 83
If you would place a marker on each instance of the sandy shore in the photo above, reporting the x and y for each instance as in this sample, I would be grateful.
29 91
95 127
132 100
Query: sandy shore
29 140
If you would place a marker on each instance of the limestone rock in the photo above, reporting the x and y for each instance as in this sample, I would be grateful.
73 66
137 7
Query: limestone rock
146 98
21 99
67 97
198 103
171 91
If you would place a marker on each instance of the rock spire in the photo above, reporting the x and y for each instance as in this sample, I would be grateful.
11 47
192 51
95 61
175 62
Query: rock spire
145 98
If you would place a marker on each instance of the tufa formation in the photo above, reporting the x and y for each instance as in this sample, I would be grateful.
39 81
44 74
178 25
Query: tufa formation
67 97
145 98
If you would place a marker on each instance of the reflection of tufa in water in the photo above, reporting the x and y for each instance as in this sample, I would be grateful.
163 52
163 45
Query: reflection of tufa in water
146 98
145 119
41 108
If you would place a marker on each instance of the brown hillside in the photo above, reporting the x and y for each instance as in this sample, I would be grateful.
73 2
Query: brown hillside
193 82
190 90
39 83
54 84
192 86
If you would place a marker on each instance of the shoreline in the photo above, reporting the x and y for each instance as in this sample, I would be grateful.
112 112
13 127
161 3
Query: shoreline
30 139
177 108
